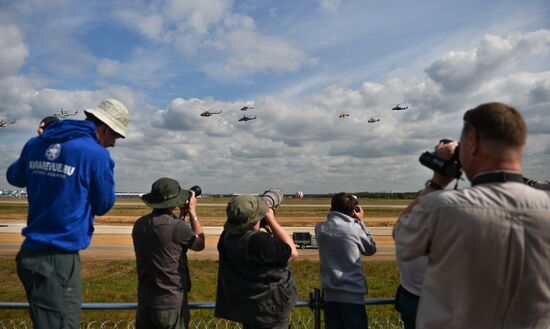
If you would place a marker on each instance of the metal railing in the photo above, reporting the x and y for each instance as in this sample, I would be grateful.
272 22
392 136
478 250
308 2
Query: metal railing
315 303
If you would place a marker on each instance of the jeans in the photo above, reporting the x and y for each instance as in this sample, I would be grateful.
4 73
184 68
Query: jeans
345 316
406 304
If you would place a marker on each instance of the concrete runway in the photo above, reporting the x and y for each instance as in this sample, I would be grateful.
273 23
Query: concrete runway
115 242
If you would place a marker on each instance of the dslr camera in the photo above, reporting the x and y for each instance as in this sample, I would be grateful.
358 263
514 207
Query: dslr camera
197 190
449 168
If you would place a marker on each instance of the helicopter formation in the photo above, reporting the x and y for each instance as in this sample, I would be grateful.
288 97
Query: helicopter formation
396 107
4 123
343 115
62 114
246 118
210 112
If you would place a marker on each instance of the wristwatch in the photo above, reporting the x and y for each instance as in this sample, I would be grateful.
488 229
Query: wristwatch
193 218
434 185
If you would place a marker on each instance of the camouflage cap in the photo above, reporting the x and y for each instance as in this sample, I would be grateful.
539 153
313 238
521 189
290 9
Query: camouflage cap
243 212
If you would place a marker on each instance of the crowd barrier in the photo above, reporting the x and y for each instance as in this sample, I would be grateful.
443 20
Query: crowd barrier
315 303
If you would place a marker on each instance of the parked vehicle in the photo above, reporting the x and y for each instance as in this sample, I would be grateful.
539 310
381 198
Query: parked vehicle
304 240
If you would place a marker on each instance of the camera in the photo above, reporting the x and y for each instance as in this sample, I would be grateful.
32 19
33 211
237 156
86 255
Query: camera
273 197
449 168
197 190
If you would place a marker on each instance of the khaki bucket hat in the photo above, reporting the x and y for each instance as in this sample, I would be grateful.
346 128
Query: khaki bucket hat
113 113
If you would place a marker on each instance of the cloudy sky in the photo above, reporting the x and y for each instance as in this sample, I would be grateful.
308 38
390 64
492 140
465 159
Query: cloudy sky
299 63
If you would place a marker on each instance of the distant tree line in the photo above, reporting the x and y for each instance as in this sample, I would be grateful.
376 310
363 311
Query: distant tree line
371 195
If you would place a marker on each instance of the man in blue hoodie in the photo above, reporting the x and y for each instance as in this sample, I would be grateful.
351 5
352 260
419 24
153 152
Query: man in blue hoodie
68 174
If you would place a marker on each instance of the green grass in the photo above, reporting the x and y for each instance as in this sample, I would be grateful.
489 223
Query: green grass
116 282
126 211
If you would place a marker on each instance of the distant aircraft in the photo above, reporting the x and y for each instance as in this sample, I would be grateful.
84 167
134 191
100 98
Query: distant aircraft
246 108
4 123
373 120
343 115
398 107
209 112
63 114
245 118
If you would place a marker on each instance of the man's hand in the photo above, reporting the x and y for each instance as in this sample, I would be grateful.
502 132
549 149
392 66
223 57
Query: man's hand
190 207
280 233
358 213
445 152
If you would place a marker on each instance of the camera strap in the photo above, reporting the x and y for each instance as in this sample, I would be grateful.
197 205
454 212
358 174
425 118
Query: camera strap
497 177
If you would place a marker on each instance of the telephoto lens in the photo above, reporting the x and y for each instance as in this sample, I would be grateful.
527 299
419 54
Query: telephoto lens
197 190
273 197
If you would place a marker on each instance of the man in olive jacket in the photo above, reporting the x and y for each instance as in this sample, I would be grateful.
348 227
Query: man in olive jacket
255 284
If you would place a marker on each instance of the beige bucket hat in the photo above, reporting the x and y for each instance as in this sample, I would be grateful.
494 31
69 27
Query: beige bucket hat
113 113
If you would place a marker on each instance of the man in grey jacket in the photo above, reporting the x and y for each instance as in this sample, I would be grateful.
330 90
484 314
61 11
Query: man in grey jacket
487 245
342 239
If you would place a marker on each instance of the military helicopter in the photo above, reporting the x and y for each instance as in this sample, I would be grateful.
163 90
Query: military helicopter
4 123
373 120
246 108
343 115
398 107
63 114
209 112
245 118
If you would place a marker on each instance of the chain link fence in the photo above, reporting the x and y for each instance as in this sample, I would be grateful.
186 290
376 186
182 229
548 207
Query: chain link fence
214 323
298 321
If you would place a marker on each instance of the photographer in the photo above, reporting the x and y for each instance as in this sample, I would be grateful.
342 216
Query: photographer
487 245
255 283
69 176
342 239
161 240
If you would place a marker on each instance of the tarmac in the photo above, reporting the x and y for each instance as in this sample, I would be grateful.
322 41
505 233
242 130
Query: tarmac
115 242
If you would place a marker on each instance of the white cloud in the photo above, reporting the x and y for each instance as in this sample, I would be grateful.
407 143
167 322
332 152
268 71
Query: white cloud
459 71
330 6
108 67
196 16
150 25
541 91
225 43
13 50
296 143
251 52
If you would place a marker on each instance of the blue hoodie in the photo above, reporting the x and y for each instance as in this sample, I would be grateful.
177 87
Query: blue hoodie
69 179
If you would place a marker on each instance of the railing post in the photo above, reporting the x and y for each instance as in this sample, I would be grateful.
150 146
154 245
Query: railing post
316 304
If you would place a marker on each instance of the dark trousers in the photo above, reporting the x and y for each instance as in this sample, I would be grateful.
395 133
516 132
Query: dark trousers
170 318
407 305
53 286
345 316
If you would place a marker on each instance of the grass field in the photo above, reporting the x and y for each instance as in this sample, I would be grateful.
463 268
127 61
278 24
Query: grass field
127 210
116 282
